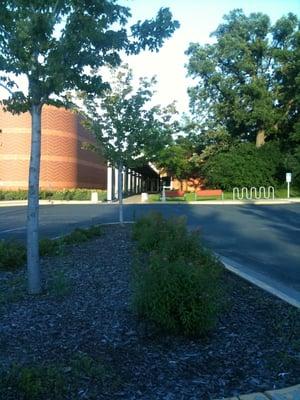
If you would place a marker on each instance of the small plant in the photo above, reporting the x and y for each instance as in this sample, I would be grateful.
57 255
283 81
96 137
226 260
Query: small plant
12 255
59 285
94 231
179 287
51 247
148 231
77 236
32 383
82 235
85 367
58 381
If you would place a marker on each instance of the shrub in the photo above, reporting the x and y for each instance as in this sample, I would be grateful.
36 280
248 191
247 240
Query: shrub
33 383
13 194
45 194
12 255
148 231
59 285
153 232
245 165
51 247
67 194
94 231
77 236
66 379
178 287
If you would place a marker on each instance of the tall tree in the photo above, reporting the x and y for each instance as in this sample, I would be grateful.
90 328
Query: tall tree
239 86
54 44
287 72
180 159
129 131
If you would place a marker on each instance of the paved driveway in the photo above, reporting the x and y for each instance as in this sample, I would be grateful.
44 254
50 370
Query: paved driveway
262 240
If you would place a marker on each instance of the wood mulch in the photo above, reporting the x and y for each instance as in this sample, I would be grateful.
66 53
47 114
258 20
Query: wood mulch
86 309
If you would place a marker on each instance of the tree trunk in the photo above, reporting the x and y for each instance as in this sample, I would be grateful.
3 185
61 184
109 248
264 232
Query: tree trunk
260 138
33 262
120 192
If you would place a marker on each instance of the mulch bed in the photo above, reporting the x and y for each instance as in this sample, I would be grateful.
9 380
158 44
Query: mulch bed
255 347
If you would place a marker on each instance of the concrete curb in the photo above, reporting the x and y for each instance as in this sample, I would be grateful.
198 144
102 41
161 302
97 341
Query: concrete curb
267 286
14 203
230 202
224 202
290 393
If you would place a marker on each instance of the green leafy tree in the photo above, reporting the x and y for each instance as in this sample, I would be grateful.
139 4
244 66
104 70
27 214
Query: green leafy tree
180 159
54 44
243 165
129 131
247 80
287 55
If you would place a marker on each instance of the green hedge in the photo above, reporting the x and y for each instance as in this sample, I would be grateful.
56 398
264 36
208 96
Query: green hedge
245 165
67 194
177 282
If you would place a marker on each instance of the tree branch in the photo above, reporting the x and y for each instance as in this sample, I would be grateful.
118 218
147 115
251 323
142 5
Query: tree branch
5 87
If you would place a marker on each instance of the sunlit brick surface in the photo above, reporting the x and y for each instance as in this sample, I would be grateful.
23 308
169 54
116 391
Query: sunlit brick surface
64 162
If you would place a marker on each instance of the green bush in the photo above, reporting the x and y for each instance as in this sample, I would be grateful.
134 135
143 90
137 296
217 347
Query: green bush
77 236
245 165
67 194
94 231
51 247
13 194
59 285
12 255
148 231
65 379
45 195
33 383
178 287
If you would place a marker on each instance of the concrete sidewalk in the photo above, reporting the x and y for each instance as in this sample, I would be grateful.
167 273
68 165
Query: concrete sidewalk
136 199
290 393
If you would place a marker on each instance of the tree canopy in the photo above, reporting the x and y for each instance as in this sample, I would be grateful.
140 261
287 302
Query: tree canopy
128 128
248 80
54 43
180 159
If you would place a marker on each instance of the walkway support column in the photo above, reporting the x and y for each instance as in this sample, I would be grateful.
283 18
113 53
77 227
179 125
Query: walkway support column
129 181
124 180
140 183
135 183
116 194
109 183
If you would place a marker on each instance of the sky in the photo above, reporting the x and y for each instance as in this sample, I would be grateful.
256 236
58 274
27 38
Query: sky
198 18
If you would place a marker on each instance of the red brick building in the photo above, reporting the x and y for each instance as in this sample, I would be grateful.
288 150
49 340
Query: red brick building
64 161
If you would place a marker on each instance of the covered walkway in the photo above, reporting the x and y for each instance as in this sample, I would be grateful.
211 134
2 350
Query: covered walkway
134 181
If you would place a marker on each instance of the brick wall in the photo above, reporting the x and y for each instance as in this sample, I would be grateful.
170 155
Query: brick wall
64 161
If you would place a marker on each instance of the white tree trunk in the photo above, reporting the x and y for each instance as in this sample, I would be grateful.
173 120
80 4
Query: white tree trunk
120 193
33 262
